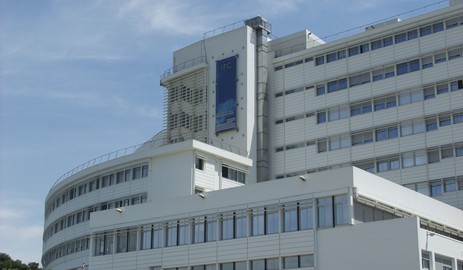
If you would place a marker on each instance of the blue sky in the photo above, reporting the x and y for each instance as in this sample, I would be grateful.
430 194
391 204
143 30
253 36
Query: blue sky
79 79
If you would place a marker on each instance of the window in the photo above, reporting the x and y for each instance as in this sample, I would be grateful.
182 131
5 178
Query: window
319 60
265 264
410 97
325 212
341 209
144 171
172 234
320 90
361 108
354 51
440 57
301 261
359 79
272 220
426 62
227 226
388 164
443 263
183 232
429 93
322 146
338 113
450 184
146 237
362 138
458 118
337 85
376 44
290 217
233 266
435 188
338 142
258 221
442 88
433 156
331 57
241 224
211 228
386 133
431 124
456 85
233 174
385 103
199 163
459 150
400 37
407 67
446 151
445 120
416 158
454 53
321 117
425 260
410 128
136 173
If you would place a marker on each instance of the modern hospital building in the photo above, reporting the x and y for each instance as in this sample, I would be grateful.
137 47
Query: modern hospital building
284 153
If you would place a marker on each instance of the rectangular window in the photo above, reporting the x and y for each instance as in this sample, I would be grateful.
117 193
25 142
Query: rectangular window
433 156
290 217
305 216
172 234
426 62
325 212
322 146
227 226
241 224
450 184
320 90
445 120
199 163
144 171
431 124
321 117
440 57
258 221
199 230
136 174
359 79
354 51
456 85
211 228
361 108
331 57
425 260
319 60
341 209
272 220
183 232
435 188
429 93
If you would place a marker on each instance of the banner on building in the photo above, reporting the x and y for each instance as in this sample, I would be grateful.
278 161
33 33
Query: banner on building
225 101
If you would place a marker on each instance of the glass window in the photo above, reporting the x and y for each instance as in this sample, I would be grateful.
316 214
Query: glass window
458 118
305 216
122 241
290 262
429 93
376 44
341 54
435 188
445 120
319 60
258 221
433 156
424 31
199 163
321 117
431 124
227 226
402 68
331 57
400 38
450 184
211 228
198 230
354 51
171 234
320 90
241 224
440 57
322 146
306 261
341 209
290 217
258 264
325 212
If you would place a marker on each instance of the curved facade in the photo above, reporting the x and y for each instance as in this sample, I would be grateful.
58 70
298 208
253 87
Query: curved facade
242 110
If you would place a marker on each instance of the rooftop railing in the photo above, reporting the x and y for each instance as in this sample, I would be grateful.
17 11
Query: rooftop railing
184 65
151 144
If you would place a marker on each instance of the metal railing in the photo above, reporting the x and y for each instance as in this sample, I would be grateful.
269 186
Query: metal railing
184 65
151 144
223 29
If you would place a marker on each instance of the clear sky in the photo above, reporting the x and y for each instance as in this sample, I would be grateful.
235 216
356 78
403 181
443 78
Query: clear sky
79 79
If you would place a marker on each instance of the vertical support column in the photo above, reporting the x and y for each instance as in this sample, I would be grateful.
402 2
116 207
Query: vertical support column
262 28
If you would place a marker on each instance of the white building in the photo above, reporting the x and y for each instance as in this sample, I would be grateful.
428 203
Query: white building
241 110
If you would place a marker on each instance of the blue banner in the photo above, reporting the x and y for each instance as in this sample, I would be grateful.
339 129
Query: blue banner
225 101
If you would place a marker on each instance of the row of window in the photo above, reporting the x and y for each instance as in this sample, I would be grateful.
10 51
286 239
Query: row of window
387 72
295 216
227 171
438 187
387 163
378 134
84 214
97 183
378 43
402 129
441 262
387 41
288 262
73 246
380 103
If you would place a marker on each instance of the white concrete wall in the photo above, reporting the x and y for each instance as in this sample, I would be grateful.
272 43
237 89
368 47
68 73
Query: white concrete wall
382 245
